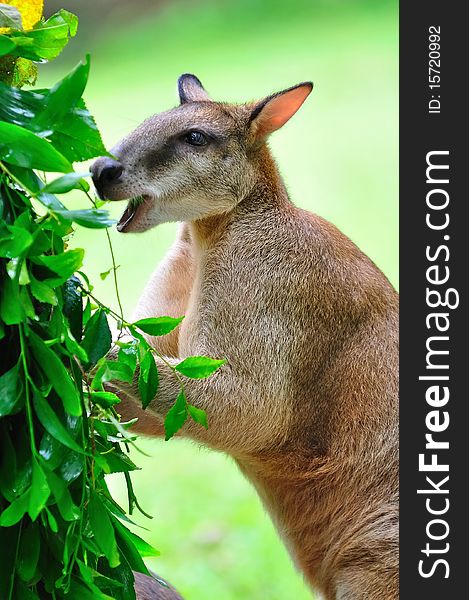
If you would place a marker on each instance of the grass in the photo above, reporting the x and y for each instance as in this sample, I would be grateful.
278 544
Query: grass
339 159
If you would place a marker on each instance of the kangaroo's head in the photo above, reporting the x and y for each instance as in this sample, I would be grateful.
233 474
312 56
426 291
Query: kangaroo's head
193 161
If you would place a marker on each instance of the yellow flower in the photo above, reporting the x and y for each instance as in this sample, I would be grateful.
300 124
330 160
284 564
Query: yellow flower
31 12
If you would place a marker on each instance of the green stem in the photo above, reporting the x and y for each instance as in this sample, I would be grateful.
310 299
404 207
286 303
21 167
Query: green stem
6 187
132 498
83 488
27 380
16 180
103 306
26 189
114 270
12 578
116 286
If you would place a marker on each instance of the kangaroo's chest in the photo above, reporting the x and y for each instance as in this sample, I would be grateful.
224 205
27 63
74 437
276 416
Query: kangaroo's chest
244 302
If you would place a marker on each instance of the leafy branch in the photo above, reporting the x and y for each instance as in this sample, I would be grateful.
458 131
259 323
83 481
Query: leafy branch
60 431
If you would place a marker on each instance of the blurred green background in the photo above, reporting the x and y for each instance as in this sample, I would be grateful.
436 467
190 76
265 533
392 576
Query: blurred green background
338 157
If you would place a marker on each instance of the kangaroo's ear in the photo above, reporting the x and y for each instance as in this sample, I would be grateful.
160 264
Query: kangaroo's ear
191 90
270 114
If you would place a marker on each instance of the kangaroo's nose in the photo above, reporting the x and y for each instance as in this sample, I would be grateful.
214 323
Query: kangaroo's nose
105 171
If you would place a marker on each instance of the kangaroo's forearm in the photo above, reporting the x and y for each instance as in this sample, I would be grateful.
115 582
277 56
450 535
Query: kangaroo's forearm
130 408
232 415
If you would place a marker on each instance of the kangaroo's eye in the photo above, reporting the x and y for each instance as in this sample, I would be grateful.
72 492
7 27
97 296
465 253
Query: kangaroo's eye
195 138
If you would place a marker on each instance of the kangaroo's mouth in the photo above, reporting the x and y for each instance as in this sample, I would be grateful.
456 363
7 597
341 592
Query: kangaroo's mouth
130 213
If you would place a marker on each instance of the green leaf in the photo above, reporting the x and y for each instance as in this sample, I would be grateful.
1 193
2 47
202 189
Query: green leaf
97 338
105 399
62 97
11 308
52 521
78 591
20 147
66 183
12 267
113 462
15 511
8 465
11 397
103 530
91 218
74 347
51 422
147 379
27 304
10 17
110 370
64 264
24 592
19 107
105 274
72 467
6 45
158 325
59 226
91 576
14 241
127 546
9 537
42 292
39 493
128 356
199 415
73 305
48 38
87 311
68 510
26 177
56 373
75 134
28 555
77 137
125 576
176 416
20 477
52 451
199 367
69 18
23 278
144 549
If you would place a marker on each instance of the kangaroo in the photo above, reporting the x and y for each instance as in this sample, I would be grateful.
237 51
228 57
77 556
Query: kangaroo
307 402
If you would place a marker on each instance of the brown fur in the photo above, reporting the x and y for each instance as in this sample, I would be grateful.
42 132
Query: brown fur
151 588
307 402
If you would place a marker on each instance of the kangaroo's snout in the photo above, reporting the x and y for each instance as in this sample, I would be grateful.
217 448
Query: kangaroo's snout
105 171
